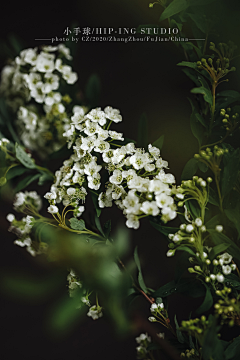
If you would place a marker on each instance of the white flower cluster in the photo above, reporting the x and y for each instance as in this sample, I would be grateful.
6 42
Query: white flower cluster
95 311
27 199
23 229
143 341
137 181
30 87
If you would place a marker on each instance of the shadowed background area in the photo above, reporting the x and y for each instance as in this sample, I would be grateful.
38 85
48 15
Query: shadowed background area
136 78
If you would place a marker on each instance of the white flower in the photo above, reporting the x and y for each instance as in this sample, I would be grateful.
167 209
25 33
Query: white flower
10 217
45 62
189 228
101 146
166 178
52 209
152 319
116 178
163 200
142 338
150 208
226 269
170 253
154 151
225 258
161 335
19 200
65 51
94 182
115 135
220 278
138 161
113 114
50 195
104 200
95 312
98 116
132 221
219 228
26 242
198 222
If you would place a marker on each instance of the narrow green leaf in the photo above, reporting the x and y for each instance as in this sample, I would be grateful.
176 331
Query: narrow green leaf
45 177
159 142
95 203
196 126
107 228
190 169
98 225
212 346
16 171
219 238
207 303
175 7
231 161
25 182
189 64
205 92
217 250
140 277
232 352
77 224
180 337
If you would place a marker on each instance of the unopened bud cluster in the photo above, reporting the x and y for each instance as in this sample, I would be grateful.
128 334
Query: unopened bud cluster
228 308
229 122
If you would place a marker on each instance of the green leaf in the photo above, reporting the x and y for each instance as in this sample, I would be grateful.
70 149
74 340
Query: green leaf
196 126
93 90
180 336
143 132
189 64
16 171
217 250
159 142
219 238
205 92
233 350
98 225
190 169
65 314
25 182
95 203
212 346
107 228
200 20
202 166
234 216
174 8
45 177
23 157
231 161
213 197
77 224
187 249
140 277
207 303
186 286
